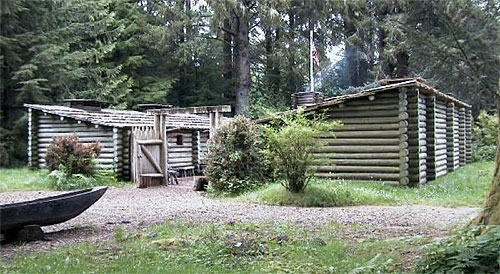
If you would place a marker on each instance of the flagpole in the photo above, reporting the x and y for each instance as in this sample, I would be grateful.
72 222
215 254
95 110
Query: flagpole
311 61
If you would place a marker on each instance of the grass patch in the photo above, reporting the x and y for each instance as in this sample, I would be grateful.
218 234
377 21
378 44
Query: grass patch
466 186
14 179
25 179
219 248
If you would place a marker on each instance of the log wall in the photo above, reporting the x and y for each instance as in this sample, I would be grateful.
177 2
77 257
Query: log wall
440 138
50 126
461 134
32 138
200 149
468 136
431 137
180 155
452 137
372 144
417 137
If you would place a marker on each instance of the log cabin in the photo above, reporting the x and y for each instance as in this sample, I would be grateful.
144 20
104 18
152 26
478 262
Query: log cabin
402 132
91 122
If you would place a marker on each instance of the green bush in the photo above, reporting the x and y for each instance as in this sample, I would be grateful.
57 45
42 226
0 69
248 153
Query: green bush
485 133
61 180
234 161
76 158
290 142
485 153
475 249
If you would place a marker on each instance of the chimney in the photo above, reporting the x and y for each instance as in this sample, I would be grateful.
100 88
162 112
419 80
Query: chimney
86 104
306 98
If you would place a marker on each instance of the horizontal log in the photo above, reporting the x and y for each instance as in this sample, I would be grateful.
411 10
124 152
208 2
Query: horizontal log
360 149
370 120
358 155
369 107
352 114
358 141
371 127
368 134
48 128
360 176
320 161
347 169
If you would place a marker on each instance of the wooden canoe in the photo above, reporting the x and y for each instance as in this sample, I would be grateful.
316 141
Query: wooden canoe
48 211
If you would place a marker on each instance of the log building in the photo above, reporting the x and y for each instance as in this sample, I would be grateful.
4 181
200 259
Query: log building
403 131
187 133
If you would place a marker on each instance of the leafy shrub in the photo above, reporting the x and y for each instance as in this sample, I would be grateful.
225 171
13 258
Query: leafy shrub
475 249
485 153
76 158
485 133
60 180
290 142
234 163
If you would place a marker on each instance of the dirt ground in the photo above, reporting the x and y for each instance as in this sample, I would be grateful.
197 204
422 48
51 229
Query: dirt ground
137 209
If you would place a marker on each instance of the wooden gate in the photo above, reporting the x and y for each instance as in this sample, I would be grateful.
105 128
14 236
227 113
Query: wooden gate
149 154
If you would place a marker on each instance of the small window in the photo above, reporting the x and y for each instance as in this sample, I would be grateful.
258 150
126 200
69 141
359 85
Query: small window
179 141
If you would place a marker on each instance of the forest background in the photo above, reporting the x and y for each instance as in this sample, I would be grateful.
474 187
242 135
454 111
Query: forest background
250 54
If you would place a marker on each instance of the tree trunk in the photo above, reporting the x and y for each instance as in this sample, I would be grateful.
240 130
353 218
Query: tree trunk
228 67
402 64
243 85
3 72
491 212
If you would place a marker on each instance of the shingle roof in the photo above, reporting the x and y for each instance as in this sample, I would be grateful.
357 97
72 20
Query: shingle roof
123 118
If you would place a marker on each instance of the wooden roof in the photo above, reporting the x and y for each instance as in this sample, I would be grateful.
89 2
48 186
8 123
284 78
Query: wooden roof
123 118
387 84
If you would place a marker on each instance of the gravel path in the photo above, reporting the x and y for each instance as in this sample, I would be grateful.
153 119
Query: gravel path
139 208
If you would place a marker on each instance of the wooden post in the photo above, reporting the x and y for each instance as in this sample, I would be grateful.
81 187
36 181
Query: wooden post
403 151
468 136
431 138
115 149
213 124
30 137
164 148
134 157
450 136
462 137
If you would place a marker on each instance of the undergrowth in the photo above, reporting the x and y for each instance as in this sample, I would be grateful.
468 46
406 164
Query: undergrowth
475 249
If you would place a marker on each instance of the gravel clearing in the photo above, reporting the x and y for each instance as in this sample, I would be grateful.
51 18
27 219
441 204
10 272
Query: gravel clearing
136 209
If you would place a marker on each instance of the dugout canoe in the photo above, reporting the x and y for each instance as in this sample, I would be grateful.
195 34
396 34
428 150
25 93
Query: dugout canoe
48 211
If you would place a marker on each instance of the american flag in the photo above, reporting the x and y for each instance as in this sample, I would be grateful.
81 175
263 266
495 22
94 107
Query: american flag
315 55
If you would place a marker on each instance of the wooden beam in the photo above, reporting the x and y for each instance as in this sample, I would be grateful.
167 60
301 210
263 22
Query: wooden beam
192 110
